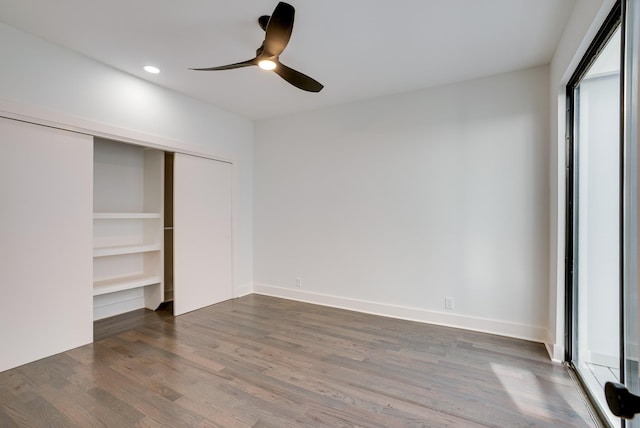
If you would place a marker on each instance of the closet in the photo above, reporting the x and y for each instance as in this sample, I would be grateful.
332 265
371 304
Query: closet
128 210
161 230
93 228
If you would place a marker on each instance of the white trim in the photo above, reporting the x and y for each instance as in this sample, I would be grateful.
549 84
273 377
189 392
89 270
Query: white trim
235 190
501 328
117 308
54 119
119 302
243 290
556 352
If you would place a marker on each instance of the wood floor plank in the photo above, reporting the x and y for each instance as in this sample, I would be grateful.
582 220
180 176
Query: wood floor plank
129 321
260 361
6 421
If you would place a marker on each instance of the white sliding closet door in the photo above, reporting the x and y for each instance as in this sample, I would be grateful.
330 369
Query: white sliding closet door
46 189
202 232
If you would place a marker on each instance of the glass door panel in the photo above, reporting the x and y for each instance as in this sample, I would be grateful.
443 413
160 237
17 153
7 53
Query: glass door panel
596 222
631 200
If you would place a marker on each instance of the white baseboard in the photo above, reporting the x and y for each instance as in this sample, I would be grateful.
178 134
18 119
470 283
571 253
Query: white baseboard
108 305
501 328
243 290
556 352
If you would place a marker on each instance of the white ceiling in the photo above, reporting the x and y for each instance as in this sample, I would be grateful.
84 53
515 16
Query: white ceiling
358 49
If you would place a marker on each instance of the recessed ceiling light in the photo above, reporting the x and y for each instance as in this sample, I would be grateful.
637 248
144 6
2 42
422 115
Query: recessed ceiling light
151 69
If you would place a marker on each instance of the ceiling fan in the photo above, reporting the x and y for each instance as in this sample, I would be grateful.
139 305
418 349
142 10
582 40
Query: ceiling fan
278 28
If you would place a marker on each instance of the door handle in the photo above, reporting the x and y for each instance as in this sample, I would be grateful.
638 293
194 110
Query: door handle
622 403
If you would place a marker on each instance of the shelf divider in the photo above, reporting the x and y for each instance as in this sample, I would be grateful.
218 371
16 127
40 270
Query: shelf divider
125 249
125 283
124 216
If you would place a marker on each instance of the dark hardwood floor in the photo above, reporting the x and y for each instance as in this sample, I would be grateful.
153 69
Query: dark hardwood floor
130 321
264 362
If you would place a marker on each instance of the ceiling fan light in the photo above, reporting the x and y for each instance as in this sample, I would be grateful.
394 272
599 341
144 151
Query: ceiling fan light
267 64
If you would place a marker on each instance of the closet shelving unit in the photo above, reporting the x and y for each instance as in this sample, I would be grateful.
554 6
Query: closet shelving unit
127 228
126 281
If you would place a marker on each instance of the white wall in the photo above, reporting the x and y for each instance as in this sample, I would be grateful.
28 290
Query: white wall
390 205
44 81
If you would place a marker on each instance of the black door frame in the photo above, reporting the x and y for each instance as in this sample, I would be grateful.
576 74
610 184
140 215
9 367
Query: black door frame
614 20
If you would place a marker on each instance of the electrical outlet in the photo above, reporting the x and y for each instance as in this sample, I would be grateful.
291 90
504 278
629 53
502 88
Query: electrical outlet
448 303
298 283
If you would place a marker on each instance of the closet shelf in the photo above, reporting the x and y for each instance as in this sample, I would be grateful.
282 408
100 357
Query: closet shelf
125 283
125 249
124 216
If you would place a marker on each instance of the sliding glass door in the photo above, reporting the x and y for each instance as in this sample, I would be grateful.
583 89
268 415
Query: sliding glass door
602 211
631 199
596 221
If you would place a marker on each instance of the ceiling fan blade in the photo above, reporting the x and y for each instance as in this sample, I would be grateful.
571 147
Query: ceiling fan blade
298 79
247 63
279 29
263 21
